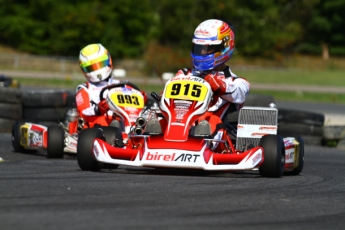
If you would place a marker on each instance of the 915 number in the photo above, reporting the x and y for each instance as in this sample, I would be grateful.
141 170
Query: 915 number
195 90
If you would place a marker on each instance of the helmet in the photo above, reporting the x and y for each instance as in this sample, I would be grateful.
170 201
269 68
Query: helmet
95 62
213 44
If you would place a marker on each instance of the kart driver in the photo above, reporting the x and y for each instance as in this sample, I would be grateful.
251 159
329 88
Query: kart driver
96 65
212 45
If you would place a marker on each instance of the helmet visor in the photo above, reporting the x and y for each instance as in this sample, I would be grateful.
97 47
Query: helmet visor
96 64
206 49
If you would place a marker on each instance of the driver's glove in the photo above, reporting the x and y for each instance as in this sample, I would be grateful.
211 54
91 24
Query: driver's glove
218 86
101 108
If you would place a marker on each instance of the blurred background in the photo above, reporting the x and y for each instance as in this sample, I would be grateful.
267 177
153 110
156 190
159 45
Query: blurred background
278 42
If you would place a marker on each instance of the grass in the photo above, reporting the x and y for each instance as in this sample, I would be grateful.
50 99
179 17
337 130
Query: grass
332 98
295 77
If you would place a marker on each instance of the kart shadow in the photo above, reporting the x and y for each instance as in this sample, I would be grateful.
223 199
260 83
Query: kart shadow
33 153
182 172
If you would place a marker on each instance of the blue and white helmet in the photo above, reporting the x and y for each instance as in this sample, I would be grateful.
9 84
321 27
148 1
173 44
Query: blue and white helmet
213 44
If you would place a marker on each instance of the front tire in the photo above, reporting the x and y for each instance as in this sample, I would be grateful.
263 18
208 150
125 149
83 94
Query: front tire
85 157
274 156
56 138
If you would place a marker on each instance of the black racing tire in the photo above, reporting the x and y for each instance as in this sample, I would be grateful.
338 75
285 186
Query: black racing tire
16 136
56 139
17 147
46 98
259 100
11 111
301 117
44 114
299 168
303 129
274 156
85 157
9 95
6 125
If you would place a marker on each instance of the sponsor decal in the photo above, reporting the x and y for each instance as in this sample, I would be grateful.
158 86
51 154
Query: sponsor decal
79 99
180 78
186 157
221 60
257 158
289 156
202 32
267 128
197 79
259 134
160 157
183 157
35 139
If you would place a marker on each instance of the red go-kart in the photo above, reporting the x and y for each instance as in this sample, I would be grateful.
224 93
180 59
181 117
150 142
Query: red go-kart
187 144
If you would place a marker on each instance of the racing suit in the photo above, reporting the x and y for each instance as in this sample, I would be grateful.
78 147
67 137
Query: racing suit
231 100
87 100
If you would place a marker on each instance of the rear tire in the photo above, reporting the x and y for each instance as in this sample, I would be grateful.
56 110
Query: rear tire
56 138
274 156
16 136
17 147
299 168
85 157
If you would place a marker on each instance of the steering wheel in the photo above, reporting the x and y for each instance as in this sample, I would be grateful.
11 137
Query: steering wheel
121 84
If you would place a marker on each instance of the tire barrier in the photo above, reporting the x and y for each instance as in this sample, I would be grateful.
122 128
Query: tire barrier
308 125
252 100
45 107
10 108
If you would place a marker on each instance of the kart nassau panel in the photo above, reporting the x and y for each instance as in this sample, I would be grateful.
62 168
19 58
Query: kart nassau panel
127 103
291 153
193 154
184 100
33 136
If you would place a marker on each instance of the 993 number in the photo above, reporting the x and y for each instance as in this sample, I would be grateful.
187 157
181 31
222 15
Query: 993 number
127 99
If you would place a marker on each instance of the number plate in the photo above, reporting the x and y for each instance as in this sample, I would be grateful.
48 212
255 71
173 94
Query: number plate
186 90
131 100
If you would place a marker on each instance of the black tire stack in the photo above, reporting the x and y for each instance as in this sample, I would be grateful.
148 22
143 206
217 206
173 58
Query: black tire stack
251 100
46 107
10 108
308 125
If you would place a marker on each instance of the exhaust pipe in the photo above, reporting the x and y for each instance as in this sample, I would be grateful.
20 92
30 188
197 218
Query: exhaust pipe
81 123
138 130
140 121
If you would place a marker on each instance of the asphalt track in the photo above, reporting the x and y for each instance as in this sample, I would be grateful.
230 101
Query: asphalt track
41 193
